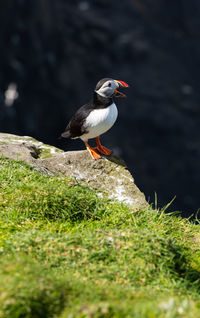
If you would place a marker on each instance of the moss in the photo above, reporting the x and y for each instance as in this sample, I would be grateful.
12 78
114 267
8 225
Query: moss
48 151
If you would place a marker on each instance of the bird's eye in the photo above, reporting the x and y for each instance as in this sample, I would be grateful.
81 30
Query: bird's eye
109 84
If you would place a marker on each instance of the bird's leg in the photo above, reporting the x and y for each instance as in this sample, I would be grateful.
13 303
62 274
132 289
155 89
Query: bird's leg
103 150
93 151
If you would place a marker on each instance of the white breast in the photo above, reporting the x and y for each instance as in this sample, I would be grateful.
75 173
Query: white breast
99 121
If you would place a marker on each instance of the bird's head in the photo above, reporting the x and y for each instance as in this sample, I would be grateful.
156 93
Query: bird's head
108 88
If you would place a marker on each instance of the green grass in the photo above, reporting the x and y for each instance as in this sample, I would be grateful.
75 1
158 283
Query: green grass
65 252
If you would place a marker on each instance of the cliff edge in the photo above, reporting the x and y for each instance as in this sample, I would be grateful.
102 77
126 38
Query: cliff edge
108 175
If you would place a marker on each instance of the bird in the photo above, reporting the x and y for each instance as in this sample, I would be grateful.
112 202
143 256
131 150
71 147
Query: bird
96 117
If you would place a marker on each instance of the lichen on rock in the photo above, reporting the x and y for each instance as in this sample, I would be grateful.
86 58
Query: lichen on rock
108 175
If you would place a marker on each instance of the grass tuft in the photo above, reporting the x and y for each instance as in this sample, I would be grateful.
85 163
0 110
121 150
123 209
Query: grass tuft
26 194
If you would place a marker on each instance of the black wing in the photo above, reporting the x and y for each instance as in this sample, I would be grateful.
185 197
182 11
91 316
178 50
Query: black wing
76 128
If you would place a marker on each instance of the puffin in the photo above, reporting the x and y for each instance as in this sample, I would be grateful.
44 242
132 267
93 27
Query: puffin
96 117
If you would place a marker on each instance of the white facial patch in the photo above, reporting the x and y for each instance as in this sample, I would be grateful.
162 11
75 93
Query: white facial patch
107 89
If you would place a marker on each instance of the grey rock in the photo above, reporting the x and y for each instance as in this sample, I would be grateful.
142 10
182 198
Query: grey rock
25 148
108 176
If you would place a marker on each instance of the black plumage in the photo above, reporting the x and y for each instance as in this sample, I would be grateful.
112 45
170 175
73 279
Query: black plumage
76 127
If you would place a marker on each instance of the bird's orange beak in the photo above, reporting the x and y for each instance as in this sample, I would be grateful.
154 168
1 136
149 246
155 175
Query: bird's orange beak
123 84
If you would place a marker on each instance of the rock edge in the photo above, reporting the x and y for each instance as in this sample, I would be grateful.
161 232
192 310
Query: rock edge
107 175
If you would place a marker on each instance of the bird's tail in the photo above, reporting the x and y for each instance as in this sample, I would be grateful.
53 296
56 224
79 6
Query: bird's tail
65 134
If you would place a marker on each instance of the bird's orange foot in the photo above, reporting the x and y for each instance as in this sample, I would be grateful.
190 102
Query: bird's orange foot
94 153
104 151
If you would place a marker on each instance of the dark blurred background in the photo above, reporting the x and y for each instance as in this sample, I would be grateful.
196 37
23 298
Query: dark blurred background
52 53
